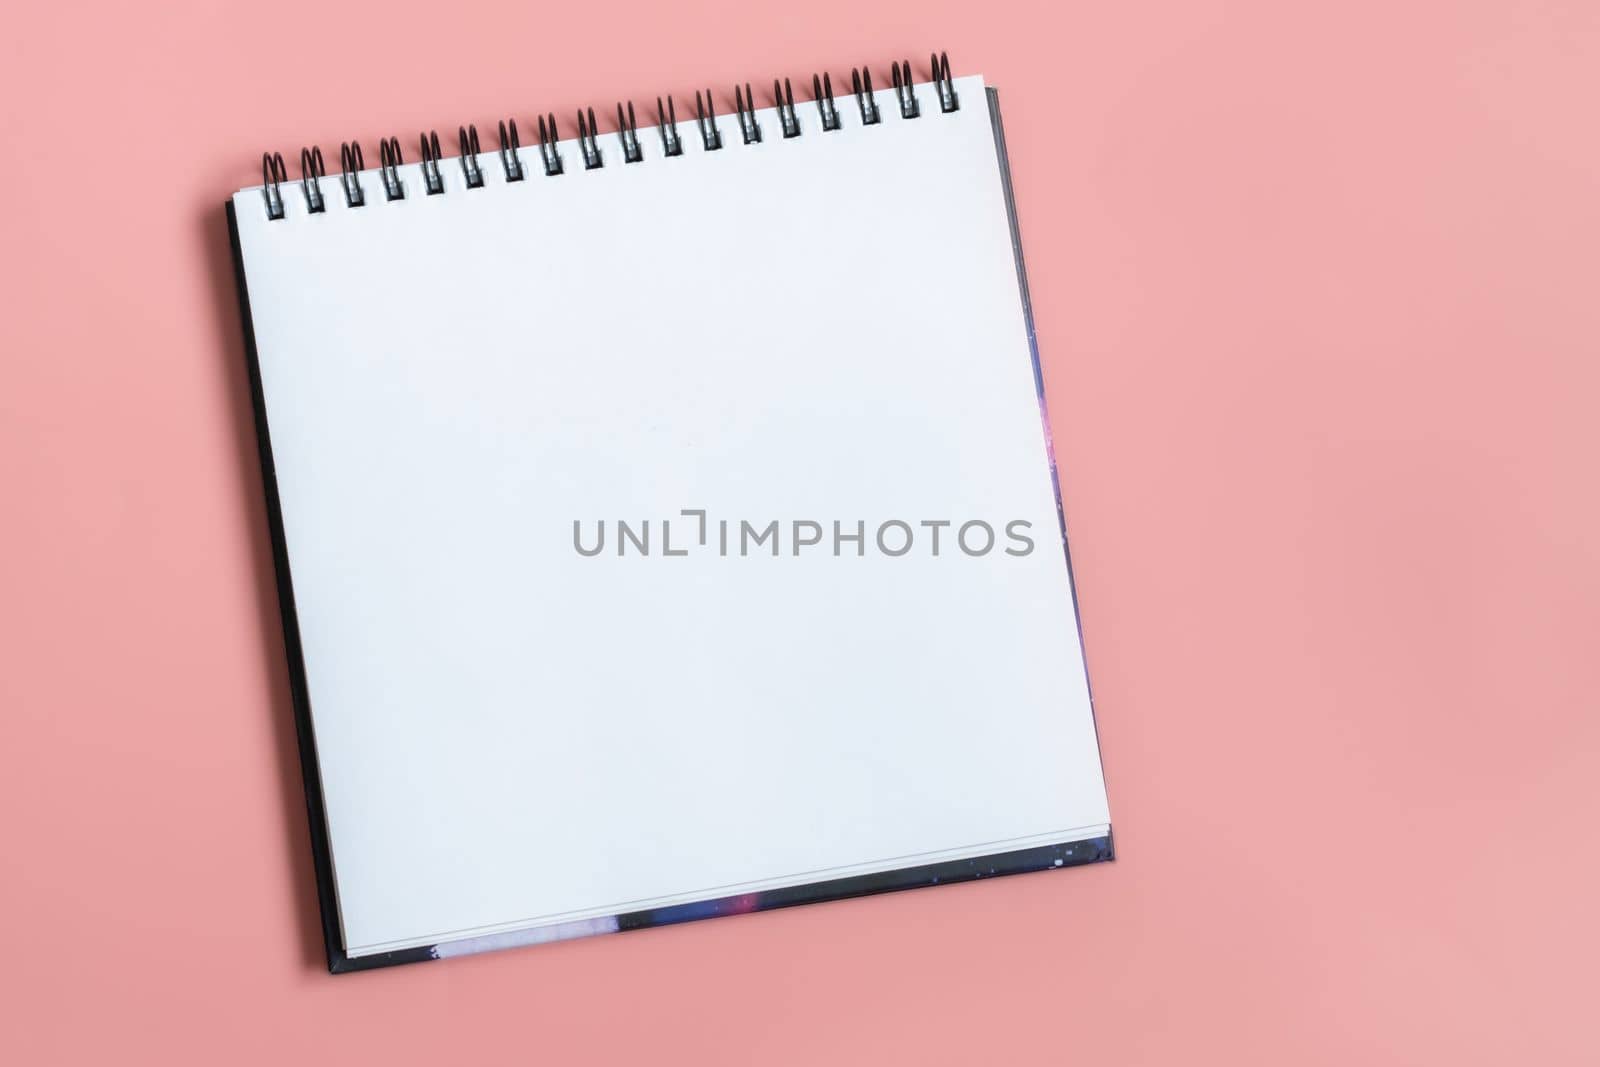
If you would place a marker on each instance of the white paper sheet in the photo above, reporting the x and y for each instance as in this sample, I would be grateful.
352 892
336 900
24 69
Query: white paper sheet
512 734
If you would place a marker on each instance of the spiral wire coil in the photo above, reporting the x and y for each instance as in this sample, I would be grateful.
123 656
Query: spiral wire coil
274 174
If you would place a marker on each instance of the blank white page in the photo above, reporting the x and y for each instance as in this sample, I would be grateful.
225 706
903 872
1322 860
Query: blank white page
827 328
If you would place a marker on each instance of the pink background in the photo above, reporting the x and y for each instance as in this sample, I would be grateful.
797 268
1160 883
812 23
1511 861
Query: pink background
1316 295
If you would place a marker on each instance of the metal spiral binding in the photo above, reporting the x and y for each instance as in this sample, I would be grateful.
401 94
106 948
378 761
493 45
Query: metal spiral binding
430 163
822 92
547 147
909 108
350 167
510 162
943 84
273 175
784 97
704 117
861 84
628 134
748 126
468 140
312 172
389 168
588 143
352 162
667 123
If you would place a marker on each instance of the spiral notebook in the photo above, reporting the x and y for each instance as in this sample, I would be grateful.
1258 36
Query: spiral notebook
664 517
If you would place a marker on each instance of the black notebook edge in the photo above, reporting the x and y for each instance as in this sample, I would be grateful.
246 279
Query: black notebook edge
1045 857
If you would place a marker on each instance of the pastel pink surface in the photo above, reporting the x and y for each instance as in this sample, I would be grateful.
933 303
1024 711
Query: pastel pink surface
1315 293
